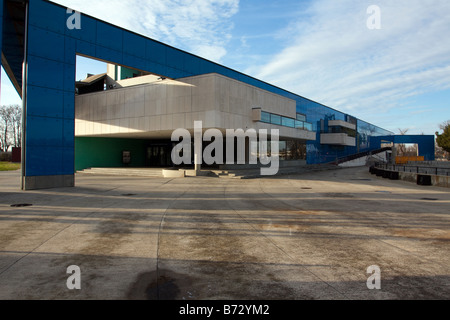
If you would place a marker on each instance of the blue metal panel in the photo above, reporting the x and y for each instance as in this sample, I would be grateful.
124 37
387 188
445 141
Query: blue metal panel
108 54
45 73
47 16
134 62
175 59
85 48
134 45
70 49
68 133
69 105
192 65
109 36
44 131
68 159
44 161
157 68
46 44
88 31
45 102
69 78
156 52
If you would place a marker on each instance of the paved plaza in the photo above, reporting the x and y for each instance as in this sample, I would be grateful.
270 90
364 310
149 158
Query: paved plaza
307 236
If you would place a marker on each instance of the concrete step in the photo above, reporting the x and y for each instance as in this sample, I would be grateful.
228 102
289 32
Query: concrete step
256 173
223 174
139 172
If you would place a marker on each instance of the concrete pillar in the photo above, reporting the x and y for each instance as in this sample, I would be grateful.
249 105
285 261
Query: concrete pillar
198 166
198 145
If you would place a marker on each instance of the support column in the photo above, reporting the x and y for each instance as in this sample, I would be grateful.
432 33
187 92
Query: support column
198 146
48 101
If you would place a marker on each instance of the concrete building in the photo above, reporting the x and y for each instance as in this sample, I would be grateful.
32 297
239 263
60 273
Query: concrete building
144 111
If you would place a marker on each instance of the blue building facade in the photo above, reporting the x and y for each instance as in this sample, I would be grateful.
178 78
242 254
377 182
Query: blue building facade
37 33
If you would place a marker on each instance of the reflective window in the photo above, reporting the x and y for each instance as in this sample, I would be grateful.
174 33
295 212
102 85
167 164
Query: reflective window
288 122
265 117
301 117
308 126
275 119
299 124
282 150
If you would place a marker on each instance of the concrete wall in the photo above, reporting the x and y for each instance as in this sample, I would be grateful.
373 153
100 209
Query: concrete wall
156 109
438 181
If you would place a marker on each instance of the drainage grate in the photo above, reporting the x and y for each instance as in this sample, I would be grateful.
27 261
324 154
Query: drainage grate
20 205
129 195
306 188
338 195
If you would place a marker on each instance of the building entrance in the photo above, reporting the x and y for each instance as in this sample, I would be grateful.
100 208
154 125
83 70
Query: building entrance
159 155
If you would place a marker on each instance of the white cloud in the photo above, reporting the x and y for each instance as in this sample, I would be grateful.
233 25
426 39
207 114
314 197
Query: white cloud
198 26
332 57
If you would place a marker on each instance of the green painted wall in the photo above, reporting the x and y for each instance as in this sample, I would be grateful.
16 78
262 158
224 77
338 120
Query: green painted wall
127 73
107 152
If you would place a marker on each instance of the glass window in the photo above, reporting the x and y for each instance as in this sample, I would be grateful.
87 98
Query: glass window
288 122
265 117
282 150
275 119
308 126
301 117
296 150
299 124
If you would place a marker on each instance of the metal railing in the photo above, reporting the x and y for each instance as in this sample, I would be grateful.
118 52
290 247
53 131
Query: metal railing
360 155
428 170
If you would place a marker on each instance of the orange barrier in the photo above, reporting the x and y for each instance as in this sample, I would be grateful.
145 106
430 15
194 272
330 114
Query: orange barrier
405 160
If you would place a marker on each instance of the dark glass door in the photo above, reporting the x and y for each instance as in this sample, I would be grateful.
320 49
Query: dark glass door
159 155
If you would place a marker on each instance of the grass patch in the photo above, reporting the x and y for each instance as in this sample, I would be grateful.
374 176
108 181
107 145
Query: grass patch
9 166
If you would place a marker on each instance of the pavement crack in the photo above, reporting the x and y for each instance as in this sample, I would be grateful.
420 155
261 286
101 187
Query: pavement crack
159 241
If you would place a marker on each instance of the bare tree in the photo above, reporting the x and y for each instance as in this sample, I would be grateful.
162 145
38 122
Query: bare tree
444 125
401 148
1 137
6 118
17 125
10 126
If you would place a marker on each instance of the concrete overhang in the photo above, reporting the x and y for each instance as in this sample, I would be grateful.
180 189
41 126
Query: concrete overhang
340 139
340 123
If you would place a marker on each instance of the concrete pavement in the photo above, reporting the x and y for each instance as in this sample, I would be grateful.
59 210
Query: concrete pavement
308 236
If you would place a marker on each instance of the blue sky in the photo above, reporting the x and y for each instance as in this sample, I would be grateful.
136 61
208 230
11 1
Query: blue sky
394 77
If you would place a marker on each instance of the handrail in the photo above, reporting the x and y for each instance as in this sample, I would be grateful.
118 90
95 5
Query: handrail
360 155
438 171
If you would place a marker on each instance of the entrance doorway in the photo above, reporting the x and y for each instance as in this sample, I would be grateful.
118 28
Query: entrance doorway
159 155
